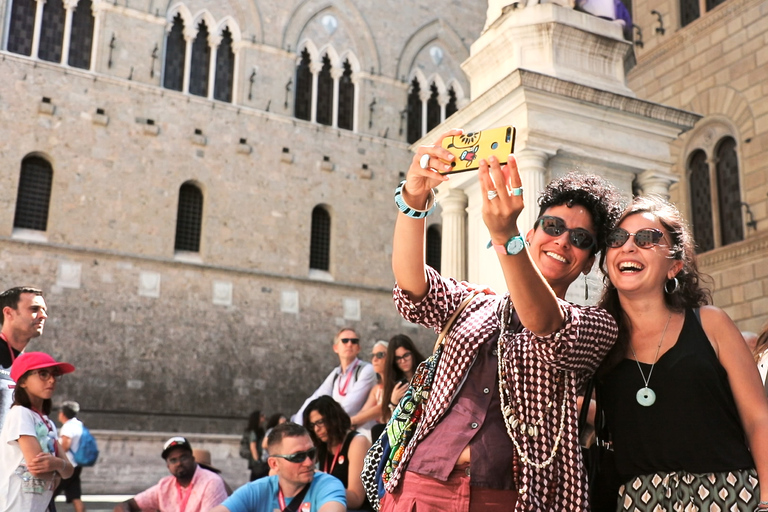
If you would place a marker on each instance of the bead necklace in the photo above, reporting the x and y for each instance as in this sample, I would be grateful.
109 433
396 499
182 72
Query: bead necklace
646 396
511 422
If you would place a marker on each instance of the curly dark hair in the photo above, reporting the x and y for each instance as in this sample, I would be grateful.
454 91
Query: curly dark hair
603 201
689 292
335 418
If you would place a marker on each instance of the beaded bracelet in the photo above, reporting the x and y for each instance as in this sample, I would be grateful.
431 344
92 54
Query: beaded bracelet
410 211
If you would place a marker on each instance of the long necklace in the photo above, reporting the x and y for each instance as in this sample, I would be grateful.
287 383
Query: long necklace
645 396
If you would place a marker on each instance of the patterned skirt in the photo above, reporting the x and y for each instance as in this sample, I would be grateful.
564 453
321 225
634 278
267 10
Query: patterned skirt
731 491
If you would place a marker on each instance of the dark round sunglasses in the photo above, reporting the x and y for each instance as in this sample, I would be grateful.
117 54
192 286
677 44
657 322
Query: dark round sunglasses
555 226
644 238
298 457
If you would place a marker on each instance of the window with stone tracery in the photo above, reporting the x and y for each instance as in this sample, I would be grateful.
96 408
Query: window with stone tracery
329 87
302 107
425 114
175 47
34 194
200 62
53 17
324 113
714 189
225 68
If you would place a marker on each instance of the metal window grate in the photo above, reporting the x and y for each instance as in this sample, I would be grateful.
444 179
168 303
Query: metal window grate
701 201
303 102
414 112
320 242
729 192
689 11
175 48
189 218
52 31
81 39
22 26
225 68
433 108
201 62
434 246
346 98
325 93
451 107
34 195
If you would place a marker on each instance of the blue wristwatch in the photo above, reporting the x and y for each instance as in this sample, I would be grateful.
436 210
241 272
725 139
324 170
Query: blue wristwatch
513 246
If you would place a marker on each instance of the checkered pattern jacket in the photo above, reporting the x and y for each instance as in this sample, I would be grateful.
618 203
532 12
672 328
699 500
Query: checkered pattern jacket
585 338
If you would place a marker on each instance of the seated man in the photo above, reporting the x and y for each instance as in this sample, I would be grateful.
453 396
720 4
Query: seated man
189 487
295 485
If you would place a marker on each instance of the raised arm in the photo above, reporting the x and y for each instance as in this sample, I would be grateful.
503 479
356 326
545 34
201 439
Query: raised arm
408 259
534 300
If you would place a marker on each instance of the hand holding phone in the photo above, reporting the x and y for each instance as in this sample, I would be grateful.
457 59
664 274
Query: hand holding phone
469 148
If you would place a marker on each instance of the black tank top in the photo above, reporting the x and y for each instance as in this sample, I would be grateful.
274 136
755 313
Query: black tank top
693 425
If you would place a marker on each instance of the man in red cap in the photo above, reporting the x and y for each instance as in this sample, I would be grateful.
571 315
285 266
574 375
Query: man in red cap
189 488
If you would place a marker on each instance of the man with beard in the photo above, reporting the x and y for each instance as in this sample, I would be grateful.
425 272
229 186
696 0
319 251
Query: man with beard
189 488
23 317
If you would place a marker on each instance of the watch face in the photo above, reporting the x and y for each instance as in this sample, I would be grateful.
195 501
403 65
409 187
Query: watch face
515 245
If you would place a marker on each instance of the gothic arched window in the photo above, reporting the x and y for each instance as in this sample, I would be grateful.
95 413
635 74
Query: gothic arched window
320 242
225 68
302 107
701 201
34 194
346 98
189 218
175 49
81 40
414 112
52 31
200 63
433 108
729 192
324 113
21 31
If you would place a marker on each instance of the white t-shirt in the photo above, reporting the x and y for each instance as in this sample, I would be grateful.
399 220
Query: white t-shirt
73 429
19 490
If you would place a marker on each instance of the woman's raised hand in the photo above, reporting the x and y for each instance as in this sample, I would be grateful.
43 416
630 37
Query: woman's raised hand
502 197
420 180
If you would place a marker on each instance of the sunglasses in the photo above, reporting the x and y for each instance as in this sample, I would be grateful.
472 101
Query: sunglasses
644 238
555 226
298 457
403 357
46 374
378 355
354 341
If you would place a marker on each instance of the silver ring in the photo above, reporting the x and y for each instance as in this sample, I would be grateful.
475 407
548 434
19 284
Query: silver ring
492 194
518 191
424 161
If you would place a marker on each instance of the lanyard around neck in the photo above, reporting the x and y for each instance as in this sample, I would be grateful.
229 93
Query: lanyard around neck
350 371
183 497
335 457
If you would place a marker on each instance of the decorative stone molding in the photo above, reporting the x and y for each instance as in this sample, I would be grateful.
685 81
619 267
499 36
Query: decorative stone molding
656 182
746 250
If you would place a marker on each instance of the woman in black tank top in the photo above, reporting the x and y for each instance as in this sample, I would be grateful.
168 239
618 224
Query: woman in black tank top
680 393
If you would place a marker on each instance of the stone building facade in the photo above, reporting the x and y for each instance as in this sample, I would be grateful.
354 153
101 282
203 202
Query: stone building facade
219 180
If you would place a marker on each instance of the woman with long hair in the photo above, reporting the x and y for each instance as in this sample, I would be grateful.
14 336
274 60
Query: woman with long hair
255 433
680 392
499 431
31 460
340 449
402 359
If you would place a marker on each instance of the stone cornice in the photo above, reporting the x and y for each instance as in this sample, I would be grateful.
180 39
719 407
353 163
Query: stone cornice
743 252
685 35
647 109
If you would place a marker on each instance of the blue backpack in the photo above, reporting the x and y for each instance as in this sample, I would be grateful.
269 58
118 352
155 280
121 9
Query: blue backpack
87 452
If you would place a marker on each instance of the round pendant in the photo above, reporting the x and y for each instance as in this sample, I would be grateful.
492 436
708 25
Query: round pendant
645 396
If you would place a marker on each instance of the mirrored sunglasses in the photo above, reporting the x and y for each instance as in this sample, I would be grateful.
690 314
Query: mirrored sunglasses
378 355
298 457
555 226
644 238
354 341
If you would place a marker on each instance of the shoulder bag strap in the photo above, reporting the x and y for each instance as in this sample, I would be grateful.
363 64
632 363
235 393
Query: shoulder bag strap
296 501
454 316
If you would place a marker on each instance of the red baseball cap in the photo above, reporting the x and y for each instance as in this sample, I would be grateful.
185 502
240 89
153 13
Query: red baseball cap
36 361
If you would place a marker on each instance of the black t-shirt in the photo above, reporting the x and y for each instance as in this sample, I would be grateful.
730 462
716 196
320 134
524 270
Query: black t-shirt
5 356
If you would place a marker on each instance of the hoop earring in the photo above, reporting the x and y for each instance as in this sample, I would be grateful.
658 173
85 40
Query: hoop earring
675 286
586 288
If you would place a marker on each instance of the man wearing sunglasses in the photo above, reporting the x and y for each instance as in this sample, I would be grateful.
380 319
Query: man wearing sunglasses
189 487
350 382
294 484
23 317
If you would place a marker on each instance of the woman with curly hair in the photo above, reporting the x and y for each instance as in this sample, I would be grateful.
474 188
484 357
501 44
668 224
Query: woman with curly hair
402 359
340 450
499 430
681 395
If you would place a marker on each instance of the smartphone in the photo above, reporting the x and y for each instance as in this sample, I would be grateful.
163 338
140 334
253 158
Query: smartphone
403 381
469 148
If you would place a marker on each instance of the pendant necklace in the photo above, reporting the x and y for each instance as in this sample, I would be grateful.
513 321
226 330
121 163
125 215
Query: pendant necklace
645 396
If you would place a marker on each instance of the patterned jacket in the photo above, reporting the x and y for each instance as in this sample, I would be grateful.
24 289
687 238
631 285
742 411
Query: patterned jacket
572 353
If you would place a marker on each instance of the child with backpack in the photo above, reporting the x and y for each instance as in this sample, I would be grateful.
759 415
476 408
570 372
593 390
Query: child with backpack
81 450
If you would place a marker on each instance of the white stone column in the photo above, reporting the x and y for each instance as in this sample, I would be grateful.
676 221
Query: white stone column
424 97
314 68
189 38
655 182
336 73
714 192
442 100
453 262
213 43
96 10
236 50
532 165
38 28
69 6
355 110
